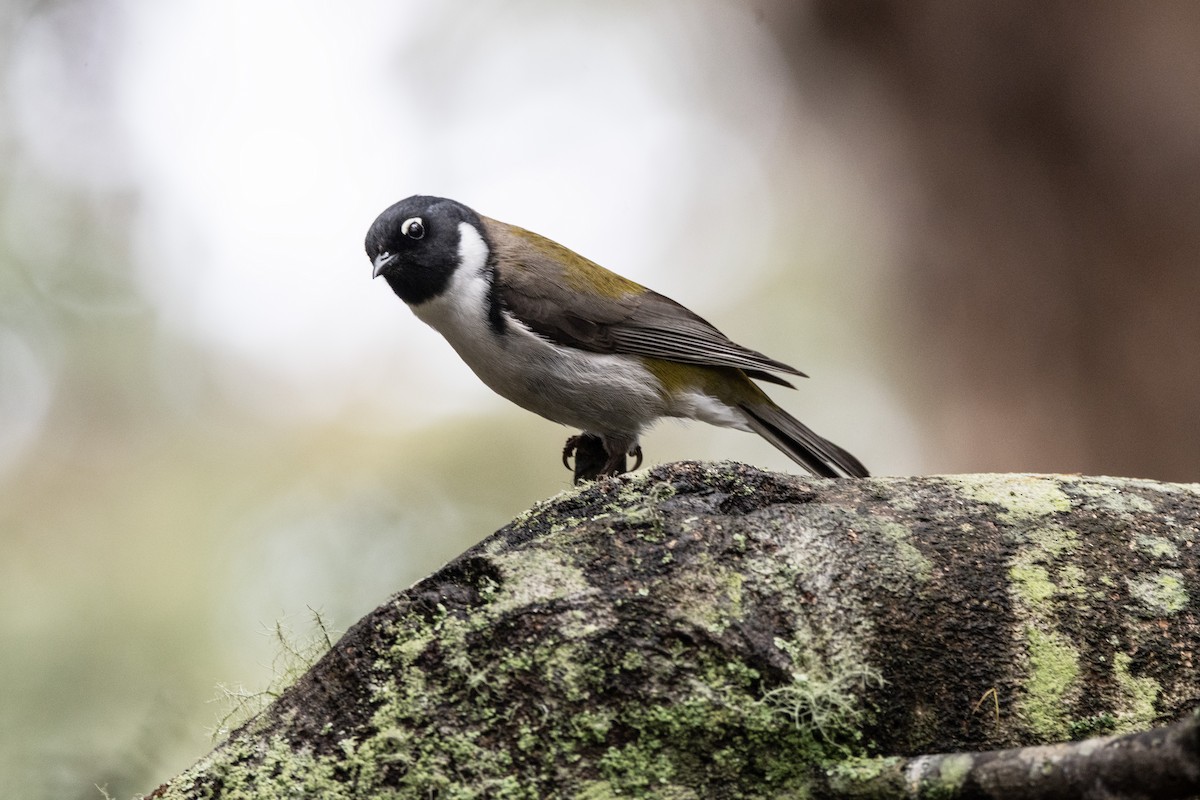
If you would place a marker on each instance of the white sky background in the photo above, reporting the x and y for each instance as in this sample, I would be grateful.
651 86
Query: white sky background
261 139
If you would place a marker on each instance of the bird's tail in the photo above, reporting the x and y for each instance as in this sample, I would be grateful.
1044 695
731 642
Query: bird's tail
816 454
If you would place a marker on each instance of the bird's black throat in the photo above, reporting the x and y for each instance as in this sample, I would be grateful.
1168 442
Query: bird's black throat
416 283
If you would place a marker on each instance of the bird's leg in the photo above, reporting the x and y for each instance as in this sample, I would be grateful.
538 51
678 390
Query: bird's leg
614 464
591 457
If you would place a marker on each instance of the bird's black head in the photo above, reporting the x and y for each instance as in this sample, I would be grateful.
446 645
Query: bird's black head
414 245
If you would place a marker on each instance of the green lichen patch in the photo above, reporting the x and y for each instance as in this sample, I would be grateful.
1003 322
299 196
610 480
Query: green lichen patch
1040 548
273 772
1019 497
1072 583
1157 546
1053 672
1048 587
1161 594
1033 583
1050 541
866 777
1134 486
1118 496
1137 712
712 600
721 731
535 575
910 562
1036 578
952 774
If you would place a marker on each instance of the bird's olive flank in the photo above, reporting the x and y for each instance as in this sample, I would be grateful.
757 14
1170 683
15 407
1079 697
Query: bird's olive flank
582 274
716 382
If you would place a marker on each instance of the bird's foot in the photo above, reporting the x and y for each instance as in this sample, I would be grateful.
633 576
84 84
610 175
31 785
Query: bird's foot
592 459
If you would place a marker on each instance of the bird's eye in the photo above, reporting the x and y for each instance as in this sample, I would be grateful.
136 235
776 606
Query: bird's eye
413 228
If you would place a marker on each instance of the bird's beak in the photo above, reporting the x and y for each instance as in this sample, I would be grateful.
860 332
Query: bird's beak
382 262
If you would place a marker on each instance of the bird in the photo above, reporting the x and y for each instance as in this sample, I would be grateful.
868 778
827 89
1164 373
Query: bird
578 344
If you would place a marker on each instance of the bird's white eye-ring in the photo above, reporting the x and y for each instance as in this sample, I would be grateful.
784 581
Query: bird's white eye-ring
413 228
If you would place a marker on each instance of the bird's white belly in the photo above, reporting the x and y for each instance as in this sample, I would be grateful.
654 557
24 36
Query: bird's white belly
590 391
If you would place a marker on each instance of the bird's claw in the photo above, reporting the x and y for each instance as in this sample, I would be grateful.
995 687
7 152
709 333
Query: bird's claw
592 458
569 451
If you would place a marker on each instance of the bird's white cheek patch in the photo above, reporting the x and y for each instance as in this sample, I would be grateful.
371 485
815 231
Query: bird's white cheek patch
462 308
472 249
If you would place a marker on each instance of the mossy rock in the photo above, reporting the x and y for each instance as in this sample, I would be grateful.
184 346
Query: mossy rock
701 631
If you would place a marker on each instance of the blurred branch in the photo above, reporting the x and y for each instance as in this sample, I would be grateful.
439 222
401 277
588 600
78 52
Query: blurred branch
1159 764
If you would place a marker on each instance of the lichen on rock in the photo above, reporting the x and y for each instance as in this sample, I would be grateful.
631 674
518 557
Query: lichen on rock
718 631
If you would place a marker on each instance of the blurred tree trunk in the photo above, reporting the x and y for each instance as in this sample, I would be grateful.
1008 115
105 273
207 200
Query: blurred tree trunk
1052 207
718 631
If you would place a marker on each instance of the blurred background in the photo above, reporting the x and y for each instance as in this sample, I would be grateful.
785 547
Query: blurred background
976 225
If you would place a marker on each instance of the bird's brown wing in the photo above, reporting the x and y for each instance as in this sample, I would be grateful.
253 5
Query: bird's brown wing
593 309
